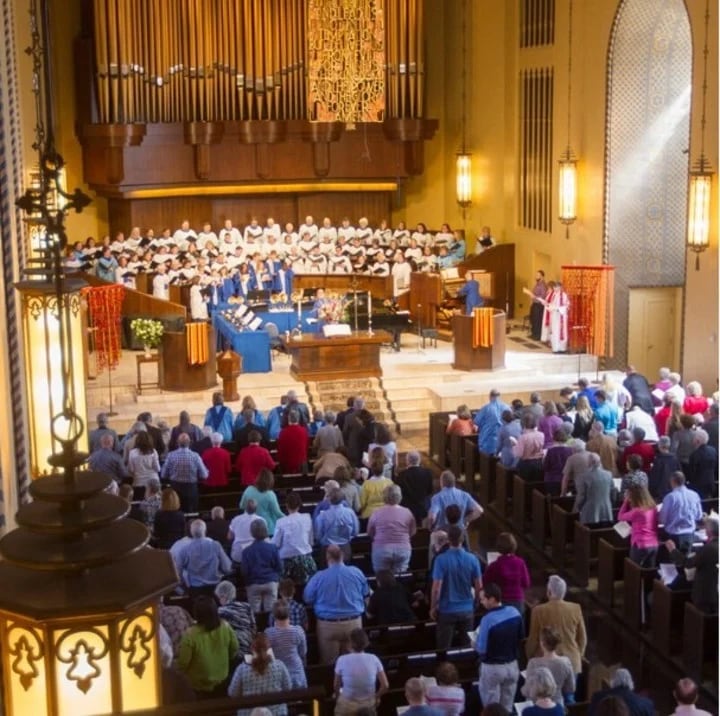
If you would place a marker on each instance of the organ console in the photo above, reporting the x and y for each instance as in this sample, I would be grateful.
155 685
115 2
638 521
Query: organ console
436 294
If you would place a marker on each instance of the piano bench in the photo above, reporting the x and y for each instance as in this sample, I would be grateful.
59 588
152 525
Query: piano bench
429 334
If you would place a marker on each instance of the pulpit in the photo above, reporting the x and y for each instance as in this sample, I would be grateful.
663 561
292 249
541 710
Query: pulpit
187 358
479 340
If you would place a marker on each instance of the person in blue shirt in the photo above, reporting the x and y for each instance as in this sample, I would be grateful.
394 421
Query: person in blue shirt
338 596
274 418
219 417
498 640
584 388
202 561
605 413
489 421
450 495
680 512
471 292
455 574
338 524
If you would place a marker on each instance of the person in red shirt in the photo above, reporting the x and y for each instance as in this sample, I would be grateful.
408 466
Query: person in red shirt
645 450
252 459
663 415
217 461
292 445
695 402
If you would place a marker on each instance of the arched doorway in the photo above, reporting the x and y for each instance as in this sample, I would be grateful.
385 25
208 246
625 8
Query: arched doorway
648 128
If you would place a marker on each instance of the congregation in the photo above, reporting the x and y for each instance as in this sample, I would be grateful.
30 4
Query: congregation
331 537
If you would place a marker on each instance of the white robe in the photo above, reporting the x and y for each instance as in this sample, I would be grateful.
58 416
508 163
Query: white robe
555 321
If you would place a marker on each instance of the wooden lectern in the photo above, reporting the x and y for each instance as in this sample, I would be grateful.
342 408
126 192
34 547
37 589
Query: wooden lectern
175 371
471 357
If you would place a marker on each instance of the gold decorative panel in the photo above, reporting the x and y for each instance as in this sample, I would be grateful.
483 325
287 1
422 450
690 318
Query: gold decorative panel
346 60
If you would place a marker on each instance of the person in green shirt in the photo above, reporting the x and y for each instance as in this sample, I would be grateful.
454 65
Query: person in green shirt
207 649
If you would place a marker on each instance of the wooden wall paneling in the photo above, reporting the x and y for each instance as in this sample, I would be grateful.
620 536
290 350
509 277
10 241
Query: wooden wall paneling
337 205
120 217
241 209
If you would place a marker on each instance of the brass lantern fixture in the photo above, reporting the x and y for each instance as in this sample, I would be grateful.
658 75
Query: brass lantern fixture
701 177
463 158
80 587
567 164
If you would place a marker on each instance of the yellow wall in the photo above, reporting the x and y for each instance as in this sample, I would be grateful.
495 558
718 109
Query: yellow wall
494 60
700 343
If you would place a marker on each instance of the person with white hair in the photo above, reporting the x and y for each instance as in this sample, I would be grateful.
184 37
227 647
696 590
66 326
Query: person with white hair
329 437
415 696
218 462
202 561
237 614
622 687
676 391
703 465
565 617
239 533
95 435
540 688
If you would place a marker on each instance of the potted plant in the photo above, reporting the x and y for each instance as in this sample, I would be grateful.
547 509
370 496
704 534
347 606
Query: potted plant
148 331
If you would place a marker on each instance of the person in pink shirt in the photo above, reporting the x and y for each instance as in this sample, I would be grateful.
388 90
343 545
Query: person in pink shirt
640 511
390 528
529 449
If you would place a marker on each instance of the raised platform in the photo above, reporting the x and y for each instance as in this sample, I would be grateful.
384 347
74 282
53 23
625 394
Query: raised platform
415 382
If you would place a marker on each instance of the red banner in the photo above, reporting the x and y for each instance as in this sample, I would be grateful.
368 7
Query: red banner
104 315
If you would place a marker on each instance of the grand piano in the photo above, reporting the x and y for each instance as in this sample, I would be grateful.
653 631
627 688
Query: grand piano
385 316
433 299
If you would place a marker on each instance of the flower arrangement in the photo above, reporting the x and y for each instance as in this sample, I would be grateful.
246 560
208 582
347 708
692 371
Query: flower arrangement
148 331
333 309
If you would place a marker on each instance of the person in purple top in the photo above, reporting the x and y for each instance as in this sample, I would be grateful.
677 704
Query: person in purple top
549 422
555 459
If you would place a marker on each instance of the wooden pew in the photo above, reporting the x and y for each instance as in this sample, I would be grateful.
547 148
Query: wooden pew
437 424
637 584
522 501
587 538
487 467
503 487
471 460
395 638
455 455
541 508
612 550
667 616
562 528
700 642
